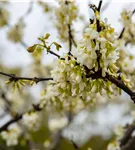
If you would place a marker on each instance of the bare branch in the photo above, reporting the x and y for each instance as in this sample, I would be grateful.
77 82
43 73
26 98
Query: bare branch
71 39
99 6
15 78
29 10
127 135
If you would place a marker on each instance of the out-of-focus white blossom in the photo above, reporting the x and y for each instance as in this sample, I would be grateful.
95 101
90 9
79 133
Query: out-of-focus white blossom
15 34
66 13
32 120
129 27
47 143
70 88
113 146
119 131
57 123
19 101
11 135
4 15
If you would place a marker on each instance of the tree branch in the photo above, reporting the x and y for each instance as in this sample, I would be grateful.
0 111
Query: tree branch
13 77
71 39
121 85
127 135
130 145
18 117
99 6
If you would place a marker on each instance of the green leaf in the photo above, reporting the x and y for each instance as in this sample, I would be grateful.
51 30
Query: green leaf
47 36
58 46
32 48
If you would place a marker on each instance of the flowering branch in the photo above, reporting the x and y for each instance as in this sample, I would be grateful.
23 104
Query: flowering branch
121 85
71 39
127 135
127 142
121 34
18 117
13 77
29 10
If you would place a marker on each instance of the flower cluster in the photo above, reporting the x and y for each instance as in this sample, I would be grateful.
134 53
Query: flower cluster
66 13
11 135
113 146
119 132
69 81
31 120
56 124
15 34
21 105
129 27
4 15
98 49
70 86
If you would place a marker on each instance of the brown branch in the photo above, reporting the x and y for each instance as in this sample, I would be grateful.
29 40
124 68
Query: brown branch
16 78
53 53
99 6
114 80
75 145
71 39
130 145
127 135
121 85
121 34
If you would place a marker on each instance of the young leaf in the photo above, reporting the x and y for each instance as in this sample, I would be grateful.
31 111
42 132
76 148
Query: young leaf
32 48
47 36
58 46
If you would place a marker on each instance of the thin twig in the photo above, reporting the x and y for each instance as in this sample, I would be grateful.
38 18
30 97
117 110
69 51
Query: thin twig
53 53
76 147
99 6
71 39
29 10
15 78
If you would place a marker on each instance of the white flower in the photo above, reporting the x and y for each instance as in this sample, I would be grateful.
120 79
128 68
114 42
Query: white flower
113 146
11 135
66 14
31 120
119 131
95 45
57 123
92 33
